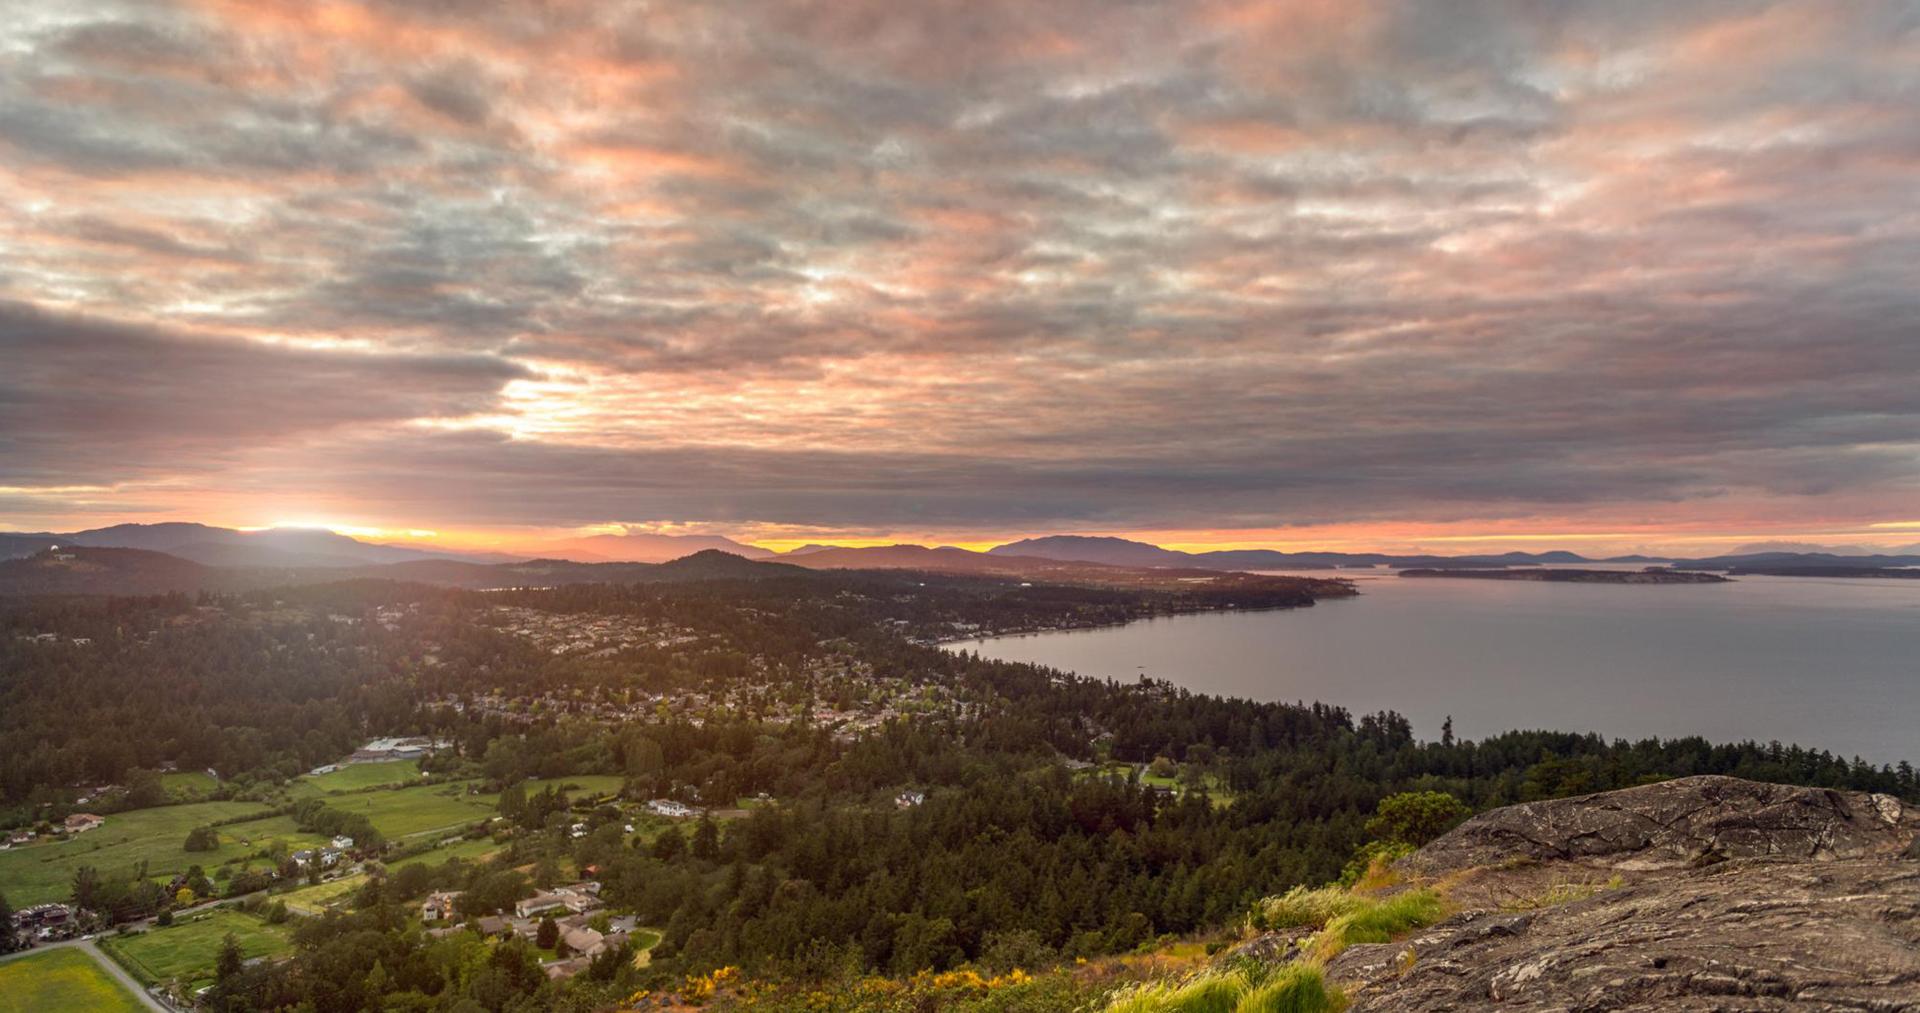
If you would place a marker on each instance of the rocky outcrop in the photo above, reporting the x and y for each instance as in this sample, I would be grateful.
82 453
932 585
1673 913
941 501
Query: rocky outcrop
1689 821
1705 893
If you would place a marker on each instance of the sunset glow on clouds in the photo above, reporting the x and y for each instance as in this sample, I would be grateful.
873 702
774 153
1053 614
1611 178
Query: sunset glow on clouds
1278 272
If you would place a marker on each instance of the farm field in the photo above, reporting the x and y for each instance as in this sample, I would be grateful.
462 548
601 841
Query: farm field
577 785
314 899
357 776
65 980
471 851
39 873
403 812
185 785
188 949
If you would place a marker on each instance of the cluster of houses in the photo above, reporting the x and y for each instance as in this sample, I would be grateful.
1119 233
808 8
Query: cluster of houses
573 908
598 635
77 823
333 854
46 921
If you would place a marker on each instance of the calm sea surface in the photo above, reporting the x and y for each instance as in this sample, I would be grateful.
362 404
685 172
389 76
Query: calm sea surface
1830 664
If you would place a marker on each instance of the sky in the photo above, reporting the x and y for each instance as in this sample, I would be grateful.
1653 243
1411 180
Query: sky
1338 274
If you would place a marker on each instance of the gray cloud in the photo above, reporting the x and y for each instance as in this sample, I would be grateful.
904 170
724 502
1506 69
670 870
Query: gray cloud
973 265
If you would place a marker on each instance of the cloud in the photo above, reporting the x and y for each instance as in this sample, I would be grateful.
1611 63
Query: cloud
974 266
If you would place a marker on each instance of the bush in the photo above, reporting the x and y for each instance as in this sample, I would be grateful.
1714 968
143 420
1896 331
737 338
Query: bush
203 839
1416 817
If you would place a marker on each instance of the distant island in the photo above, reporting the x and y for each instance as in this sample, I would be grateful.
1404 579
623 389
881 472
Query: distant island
1652 575
1893 572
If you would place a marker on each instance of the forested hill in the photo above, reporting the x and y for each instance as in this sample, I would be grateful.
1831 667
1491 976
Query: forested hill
87 570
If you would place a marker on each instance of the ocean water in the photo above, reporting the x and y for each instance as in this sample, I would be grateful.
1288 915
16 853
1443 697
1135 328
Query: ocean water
1828 663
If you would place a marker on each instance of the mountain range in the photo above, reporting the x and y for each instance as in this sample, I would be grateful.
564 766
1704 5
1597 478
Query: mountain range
318 547
184 556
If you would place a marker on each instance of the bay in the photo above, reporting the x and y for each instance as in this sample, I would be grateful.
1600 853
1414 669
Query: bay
1826 663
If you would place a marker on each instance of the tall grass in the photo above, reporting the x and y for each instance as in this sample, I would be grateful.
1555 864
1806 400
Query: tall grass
1293 988
1296 988
1303 908
1341 917
1378 921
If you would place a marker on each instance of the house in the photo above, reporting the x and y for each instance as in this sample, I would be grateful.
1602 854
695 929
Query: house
537 903
584 941
561 970
82 822
494 925
909 799
342 842
577 830
579 897
668 807
438 906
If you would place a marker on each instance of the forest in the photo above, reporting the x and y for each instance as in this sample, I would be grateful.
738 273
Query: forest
1034 837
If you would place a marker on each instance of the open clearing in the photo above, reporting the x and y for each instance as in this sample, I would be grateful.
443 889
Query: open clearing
471 851
65 980
187 785
577 786
403 812
39 873
189 949
315 899
357 776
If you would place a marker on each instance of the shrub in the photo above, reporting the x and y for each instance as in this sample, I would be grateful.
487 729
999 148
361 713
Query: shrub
1416 817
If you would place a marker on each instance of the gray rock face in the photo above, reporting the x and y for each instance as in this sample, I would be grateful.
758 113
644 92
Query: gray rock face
1703 894
1690 821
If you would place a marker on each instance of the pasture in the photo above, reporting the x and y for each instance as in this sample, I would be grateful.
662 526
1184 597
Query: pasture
360 776
38 873
313 900
404 812
471 851
66 980
187 950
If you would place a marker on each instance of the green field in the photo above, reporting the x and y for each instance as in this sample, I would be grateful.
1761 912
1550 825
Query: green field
187 785
59 981
403 812
188 949
577 786
472 851
357 776
44 872
315 899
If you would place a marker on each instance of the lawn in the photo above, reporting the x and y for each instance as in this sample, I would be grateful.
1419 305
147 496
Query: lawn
44 872
188 949
315 899
472 851
357 776
62 980
404 812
